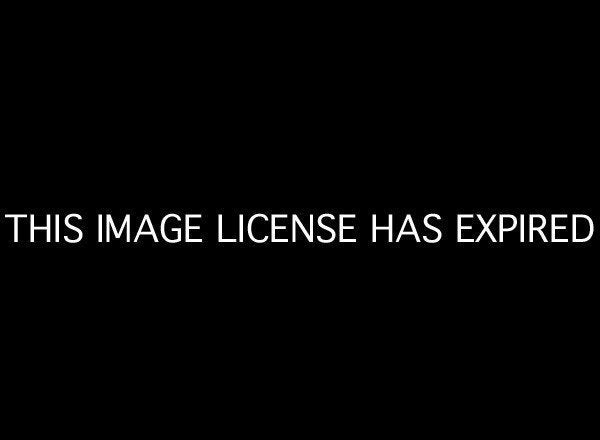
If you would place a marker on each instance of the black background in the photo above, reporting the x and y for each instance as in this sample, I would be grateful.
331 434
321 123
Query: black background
386 112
